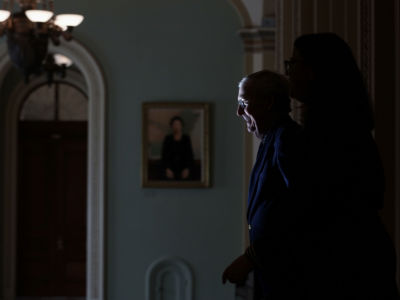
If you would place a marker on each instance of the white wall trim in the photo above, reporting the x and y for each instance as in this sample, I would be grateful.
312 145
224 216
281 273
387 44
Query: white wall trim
96 92
258 60
242 11
255 10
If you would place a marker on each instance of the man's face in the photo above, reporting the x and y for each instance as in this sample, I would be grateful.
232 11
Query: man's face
253 110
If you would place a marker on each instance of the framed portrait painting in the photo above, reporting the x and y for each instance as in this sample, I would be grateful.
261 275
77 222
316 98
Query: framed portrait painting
175 146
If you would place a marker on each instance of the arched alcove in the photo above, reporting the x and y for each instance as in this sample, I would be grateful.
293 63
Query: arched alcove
169 278
96 92
242 12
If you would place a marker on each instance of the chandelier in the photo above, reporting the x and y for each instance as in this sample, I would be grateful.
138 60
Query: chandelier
29 30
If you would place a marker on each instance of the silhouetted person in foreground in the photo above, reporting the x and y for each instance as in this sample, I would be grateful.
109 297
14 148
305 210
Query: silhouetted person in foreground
177 152
345 251
264 104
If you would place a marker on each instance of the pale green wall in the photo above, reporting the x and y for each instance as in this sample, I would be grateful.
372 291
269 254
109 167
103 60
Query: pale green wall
177 50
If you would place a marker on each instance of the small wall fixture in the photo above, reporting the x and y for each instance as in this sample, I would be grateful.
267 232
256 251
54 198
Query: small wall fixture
29 30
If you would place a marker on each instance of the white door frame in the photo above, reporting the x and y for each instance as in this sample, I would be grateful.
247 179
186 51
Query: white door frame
96 92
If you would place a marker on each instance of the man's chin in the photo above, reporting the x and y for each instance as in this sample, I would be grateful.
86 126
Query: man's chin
253 130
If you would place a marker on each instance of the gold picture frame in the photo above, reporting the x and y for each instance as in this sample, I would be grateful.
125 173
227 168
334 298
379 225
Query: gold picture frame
175 145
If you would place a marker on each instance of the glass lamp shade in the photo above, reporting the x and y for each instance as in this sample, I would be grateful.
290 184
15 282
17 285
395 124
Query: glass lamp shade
4 14
38 15
63 28
62 60
68 20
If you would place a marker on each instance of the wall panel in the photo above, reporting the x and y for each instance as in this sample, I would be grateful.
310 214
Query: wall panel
352 26
323 10
296 17
307 16
338 17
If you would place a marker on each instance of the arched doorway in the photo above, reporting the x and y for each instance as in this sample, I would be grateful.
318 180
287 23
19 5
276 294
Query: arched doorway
51 199
95 244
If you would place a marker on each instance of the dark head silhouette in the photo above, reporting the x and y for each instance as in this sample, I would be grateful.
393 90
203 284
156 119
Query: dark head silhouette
336 87
265 84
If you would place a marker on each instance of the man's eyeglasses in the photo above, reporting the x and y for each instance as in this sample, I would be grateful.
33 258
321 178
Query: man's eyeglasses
242 103
289 64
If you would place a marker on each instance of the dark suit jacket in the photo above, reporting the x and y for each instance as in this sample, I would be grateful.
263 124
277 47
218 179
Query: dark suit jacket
273 209
313 206
346 251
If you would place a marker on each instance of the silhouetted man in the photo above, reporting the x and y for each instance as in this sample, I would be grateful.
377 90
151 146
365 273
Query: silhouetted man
264 104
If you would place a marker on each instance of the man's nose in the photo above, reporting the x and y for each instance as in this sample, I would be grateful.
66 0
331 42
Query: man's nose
239 111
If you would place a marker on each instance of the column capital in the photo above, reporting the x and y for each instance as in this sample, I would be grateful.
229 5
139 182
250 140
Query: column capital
258 39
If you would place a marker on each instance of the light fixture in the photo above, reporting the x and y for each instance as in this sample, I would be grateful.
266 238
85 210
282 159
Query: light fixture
4 14
67 20
29 30
55 64
39 15
61 60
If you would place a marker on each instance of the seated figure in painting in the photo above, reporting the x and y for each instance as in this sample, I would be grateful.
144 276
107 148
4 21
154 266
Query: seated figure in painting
177 152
